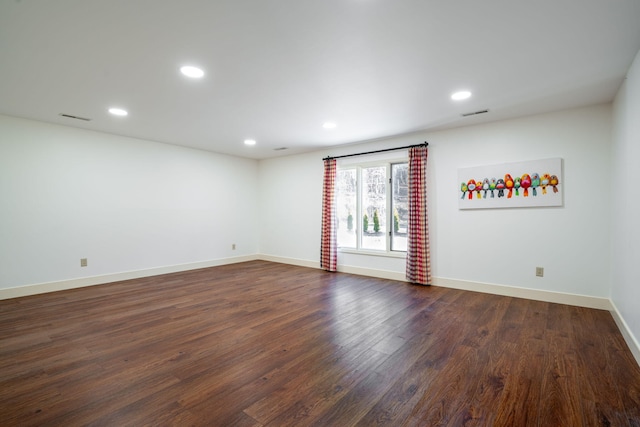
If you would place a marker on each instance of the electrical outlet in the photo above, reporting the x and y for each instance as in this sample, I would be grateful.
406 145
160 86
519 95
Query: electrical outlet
233 247
539 272
83 262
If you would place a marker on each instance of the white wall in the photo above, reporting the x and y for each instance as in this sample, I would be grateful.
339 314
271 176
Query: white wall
125 204
290 191
625 292
500 247
128 205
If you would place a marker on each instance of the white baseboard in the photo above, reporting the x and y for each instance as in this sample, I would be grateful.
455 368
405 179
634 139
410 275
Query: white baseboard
488 288
381 274
631 340
534 294
548 296
290 261
41 288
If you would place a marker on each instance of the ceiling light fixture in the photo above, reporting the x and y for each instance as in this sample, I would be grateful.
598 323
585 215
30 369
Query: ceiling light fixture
193 72
249 142
118 111
459 96
329 125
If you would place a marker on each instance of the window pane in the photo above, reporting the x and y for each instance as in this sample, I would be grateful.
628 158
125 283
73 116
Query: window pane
346 184
374 208
399 206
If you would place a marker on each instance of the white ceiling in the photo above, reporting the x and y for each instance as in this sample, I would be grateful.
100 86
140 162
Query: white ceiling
276 70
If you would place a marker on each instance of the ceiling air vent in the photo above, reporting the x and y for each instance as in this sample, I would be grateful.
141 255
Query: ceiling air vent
475 113
281 148
70 116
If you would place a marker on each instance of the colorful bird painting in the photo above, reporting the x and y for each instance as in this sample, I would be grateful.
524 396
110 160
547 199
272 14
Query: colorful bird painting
525 182
544 182
508 182
535 183
554 183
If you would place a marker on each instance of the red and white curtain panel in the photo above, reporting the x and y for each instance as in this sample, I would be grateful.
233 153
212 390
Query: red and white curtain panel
418 255
329 245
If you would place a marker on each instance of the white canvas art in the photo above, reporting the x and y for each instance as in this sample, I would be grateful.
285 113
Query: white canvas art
533 183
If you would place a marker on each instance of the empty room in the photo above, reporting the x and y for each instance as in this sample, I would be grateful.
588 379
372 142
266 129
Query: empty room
319 213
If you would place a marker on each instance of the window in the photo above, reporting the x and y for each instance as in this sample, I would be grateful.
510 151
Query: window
372 207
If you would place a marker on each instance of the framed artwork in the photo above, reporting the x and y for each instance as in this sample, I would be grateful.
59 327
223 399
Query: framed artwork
533 183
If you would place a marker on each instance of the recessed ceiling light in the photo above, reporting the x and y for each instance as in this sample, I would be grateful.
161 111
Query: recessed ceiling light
459 96
329 125
118 111
193 72
249 142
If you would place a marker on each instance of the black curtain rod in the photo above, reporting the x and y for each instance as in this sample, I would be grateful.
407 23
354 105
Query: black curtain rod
424 144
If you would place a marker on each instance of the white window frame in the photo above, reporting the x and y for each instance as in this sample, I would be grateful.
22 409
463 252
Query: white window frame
359 210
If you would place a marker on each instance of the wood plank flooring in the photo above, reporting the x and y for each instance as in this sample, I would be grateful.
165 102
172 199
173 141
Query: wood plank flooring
266 344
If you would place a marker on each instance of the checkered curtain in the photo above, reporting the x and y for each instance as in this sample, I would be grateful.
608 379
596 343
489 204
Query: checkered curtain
329 246
418 256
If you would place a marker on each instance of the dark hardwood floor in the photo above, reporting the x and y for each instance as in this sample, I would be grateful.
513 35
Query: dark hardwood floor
265 344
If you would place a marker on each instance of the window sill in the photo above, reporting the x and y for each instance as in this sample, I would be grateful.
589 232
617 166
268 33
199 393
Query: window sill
395 254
